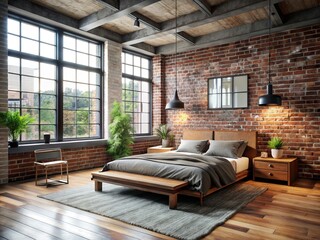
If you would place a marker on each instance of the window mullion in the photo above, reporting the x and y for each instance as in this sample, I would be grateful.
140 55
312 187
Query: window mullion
60 86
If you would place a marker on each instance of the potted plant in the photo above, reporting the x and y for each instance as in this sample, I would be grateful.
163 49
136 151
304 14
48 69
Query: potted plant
163 132
16 124
275 144
121 132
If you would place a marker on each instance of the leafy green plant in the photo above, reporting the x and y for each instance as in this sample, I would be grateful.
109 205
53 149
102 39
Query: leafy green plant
163 131
15 123
121 132
275 143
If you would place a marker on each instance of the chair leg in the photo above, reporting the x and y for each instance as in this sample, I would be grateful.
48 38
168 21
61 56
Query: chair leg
60 171
67 168
36 182
46 177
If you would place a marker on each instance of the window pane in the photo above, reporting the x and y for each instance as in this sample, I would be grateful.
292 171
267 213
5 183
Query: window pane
94 91
48 101
94 78
82 59
69 117
30 100
144 128
128 69
94 130
33 113
14 82
145 63
215 101
240 84
145 86
94 49
13 26
69 55
226 85
145 73
69 103
137 61
47 71
83 103
82 46
13 65
82 90
240 100
69 131
82 76
226 100
13 42
32 133
47 50
29 84
129 59
48 129
137 72
69 88
30 31
83 131
29 46
47 116
215 85
94 104
69 42
82 117
94 117
30 68
94 61
47 36
69 74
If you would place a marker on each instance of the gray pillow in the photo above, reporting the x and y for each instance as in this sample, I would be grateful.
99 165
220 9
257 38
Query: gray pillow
242 148
223 148
192 146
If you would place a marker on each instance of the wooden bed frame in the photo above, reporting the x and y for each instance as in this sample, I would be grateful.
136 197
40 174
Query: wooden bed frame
172 187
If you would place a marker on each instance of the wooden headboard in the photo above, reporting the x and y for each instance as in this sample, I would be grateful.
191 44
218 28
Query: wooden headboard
189 134
250 136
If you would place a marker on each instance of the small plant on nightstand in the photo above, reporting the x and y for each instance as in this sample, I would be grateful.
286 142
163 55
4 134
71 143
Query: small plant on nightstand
163 132
275 144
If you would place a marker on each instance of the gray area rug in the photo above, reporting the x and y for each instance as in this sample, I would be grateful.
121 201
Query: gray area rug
150 211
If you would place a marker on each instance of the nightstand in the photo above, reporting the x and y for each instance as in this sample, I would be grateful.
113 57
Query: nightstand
283 169
159 149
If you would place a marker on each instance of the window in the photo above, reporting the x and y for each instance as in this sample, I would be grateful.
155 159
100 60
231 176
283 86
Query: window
136 91
40 79
228 92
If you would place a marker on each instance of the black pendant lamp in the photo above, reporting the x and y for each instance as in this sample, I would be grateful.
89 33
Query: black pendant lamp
270 99
175 103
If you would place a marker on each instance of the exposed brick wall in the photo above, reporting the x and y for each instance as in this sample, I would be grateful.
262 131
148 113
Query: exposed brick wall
3 90
295 70
158 91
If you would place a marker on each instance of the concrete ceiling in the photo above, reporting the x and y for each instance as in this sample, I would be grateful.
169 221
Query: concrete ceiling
199 23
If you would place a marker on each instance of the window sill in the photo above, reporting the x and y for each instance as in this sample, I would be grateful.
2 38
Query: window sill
71 144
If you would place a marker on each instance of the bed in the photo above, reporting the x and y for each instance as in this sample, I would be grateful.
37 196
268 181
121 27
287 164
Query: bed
177 179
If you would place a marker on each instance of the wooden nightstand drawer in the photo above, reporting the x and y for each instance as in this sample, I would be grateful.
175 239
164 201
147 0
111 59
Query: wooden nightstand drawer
270 174
159 149
271 165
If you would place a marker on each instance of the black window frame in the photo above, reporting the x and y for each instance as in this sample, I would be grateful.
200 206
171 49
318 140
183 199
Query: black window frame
59 63
141 79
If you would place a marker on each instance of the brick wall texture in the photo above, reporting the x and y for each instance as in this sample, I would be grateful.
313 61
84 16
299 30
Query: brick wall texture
295 71
3 90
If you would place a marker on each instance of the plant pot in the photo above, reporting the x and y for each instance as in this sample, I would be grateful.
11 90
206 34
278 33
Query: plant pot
13 144
165 143
277 153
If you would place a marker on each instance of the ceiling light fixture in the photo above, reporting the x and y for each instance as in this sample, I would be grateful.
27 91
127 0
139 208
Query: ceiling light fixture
270 99
175 103
137 22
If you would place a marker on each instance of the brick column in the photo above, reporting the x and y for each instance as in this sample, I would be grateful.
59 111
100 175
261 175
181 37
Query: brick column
158 89
112 79
3 90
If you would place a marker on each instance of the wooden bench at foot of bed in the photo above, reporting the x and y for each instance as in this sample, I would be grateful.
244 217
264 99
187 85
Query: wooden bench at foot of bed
170 187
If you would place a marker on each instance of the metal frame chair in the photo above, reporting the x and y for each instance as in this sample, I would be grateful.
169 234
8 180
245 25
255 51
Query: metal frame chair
50 158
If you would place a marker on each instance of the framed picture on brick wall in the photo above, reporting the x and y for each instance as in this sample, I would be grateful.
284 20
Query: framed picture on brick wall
228 92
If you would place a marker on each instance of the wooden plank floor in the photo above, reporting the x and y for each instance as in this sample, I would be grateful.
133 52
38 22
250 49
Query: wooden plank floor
282 212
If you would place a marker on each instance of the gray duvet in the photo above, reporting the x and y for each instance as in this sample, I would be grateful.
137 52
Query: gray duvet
202 172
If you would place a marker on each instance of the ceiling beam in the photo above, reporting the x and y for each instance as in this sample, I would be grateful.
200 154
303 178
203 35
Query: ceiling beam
113 4
195 19
142 48
108 14
146 21
186 37
276 15
295 20
203 6
45 15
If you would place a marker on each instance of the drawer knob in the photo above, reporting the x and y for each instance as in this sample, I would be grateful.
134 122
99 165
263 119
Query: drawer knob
270 174
270 165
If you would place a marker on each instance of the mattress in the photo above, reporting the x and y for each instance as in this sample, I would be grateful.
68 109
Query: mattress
239 164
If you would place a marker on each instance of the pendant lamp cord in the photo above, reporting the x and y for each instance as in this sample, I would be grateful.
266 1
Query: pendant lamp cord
176 47
269 44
